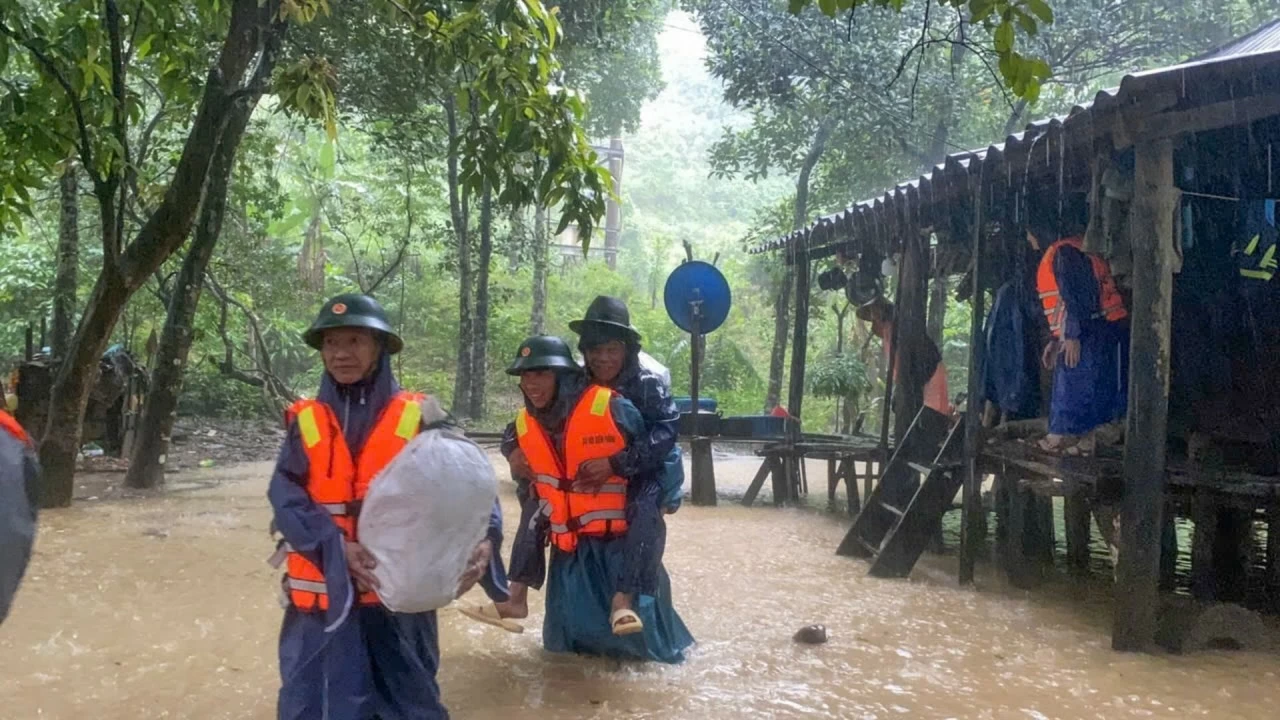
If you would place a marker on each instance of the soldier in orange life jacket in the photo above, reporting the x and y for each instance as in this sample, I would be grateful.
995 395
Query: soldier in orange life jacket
1088 348
18 474
343 655
571 455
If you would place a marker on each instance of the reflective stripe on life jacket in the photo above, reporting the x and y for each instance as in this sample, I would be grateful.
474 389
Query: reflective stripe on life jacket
1110 302
11 426
1257 259
590 434
338 482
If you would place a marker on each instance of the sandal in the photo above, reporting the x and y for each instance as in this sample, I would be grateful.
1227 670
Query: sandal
625 622
488 614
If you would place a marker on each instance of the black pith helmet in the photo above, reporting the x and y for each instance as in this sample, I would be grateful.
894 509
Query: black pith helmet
353 310
542 352
609 315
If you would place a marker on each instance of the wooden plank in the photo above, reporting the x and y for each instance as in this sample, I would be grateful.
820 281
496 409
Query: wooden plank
971 518
1137 577
753 490
1228 113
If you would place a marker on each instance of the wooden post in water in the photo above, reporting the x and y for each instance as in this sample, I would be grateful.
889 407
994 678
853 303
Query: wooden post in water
971 517
799 351
1138 572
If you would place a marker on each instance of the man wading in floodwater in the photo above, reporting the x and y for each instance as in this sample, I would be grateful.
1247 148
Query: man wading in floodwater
343 656
18 472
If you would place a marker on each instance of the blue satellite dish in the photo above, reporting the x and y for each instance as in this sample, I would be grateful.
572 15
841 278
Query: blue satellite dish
699 285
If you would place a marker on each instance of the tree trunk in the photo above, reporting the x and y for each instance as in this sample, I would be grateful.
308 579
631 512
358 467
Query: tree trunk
778 354
147 461
516 240
480 332
777 357
458 212
540 249
254 32
64 282
937 309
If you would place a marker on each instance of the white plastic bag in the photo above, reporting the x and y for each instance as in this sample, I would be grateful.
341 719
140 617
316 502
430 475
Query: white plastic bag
424 515
648 362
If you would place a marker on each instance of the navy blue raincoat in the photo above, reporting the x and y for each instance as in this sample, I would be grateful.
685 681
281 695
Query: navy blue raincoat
353 662
18 474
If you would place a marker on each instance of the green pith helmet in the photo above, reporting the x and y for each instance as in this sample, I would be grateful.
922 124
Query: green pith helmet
353 310
542 352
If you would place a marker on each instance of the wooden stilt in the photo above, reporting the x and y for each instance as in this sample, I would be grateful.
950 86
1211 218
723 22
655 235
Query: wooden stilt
1204 513
702 467
972 511
1076 514
1137 577
1273 555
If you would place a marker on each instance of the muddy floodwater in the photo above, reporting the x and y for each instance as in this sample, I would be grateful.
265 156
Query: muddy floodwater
164 608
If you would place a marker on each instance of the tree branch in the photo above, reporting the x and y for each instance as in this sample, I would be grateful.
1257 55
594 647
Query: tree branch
86 148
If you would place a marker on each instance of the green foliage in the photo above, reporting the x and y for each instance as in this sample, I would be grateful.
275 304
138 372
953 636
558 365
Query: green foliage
839 376
1002 19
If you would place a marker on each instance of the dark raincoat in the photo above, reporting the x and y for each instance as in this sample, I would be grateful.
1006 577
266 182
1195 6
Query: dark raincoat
18 473
581 584
1096 390
354 663
1011 371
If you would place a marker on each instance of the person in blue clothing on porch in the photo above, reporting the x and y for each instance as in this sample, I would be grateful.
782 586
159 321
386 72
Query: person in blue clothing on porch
343 655
1088 350
575 450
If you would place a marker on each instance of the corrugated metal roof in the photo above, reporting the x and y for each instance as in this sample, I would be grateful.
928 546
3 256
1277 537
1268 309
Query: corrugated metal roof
1252 61
1264 39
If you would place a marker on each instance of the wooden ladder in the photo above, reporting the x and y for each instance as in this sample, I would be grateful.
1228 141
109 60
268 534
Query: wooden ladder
896 524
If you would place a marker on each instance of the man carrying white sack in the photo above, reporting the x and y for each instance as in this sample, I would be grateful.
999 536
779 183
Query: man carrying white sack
343 654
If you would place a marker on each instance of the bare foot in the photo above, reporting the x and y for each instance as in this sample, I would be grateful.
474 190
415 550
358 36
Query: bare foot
517 607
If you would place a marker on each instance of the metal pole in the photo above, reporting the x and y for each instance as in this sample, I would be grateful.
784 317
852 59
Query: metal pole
703 485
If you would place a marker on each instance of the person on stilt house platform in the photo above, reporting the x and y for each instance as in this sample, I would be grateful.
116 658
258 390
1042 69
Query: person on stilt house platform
918 369
921 378
1088 349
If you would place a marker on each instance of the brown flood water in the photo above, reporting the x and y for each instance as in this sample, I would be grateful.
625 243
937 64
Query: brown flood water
164 608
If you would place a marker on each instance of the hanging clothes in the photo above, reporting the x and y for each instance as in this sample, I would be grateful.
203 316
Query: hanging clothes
1011 369
922 360
1256 253
1095 391
352 661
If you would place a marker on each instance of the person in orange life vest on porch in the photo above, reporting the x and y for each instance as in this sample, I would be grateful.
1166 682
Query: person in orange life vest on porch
343 655
1088 348
18 475
572 449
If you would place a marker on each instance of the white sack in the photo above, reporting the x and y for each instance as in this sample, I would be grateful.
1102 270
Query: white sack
424 515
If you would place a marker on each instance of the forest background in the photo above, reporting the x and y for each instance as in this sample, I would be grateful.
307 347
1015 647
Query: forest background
435 156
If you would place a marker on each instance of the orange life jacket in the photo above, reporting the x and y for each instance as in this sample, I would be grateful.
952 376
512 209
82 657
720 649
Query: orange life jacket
1110 302
11 426
590 434
338 482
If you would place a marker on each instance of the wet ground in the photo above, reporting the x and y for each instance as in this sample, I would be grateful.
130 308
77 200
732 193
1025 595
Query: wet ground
163 607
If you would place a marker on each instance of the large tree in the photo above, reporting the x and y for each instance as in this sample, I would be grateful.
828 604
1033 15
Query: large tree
87 68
